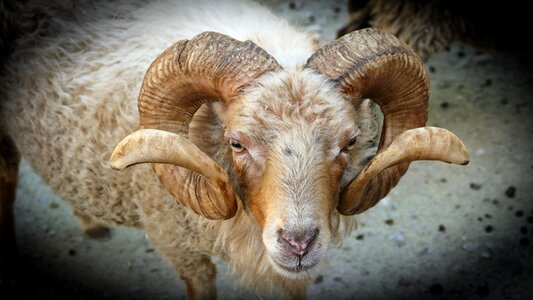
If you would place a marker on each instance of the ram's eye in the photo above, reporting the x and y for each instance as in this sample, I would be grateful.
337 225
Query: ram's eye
351 144
236 146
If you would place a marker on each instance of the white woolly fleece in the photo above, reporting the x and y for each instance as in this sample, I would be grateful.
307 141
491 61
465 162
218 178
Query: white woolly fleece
69 95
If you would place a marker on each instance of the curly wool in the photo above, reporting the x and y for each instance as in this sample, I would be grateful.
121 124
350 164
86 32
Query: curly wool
69 95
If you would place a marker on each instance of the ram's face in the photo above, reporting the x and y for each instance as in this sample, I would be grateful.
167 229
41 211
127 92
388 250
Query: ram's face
292 137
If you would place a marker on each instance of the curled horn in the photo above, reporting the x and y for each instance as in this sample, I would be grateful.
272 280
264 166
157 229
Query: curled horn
209 67
373 64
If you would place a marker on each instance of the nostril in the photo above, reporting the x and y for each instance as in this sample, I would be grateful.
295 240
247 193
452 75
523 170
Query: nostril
298 243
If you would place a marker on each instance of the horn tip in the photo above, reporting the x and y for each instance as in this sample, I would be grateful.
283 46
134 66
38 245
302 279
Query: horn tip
466 159
116 161
465 156
115 164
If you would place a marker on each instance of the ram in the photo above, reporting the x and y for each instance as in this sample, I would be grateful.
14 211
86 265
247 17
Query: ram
431 26
249 141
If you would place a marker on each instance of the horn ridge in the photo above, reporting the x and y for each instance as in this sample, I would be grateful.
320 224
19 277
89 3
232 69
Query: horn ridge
209 67
371 63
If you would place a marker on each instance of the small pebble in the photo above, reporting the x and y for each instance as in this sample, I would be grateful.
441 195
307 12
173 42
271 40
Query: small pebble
487 82
523 230
72 252
524 241
398 239
530 219
519 107
519 213
389 221
510 192
461 54
295 5
319 279
444 105
53 205
442 228
489 228
424 251
405 282
475 186
360 237
489 245
480 152
470 246
432 69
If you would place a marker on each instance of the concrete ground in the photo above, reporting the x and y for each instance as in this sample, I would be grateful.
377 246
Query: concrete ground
446 232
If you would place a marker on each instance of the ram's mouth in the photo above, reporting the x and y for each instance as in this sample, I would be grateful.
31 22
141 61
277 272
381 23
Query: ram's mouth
296 268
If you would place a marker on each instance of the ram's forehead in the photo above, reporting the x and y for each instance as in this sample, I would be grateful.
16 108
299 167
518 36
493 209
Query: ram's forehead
292 97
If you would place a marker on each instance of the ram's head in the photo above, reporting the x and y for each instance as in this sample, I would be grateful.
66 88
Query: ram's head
293 134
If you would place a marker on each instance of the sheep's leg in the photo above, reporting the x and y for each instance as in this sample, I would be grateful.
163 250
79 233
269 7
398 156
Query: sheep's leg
294 289
195 269
176 234
199 275
8 187
9 163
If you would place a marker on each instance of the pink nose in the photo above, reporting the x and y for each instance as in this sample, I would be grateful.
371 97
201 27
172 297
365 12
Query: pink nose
298 243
